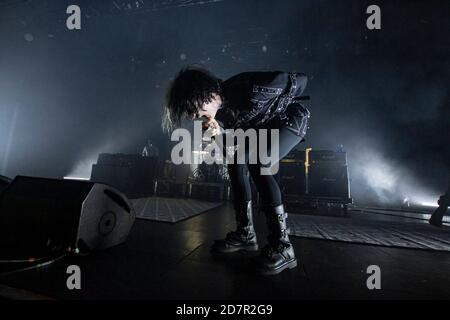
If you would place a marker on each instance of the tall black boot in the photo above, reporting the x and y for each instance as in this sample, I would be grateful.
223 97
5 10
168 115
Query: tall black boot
278 254
244 238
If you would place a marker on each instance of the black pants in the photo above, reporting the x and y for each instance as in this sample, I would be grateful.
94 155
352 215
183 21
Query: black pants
291 132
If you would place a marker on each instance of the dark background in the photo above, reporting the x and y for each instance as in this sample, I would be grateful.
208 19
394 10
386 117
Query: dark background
66 96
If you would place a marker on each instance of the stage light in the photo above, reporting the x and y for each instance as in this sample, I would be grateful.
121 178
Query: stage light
76 178
429 204
406 202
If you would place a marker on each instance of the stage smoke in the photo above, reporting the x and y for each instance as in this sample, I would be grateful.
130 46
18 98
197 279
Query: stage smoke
380 179
82 169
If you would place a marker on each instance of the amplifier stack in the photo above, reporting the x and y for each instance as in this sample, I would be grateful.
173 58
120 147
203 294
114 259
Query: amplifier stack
327 174
320 175
133 174
292 174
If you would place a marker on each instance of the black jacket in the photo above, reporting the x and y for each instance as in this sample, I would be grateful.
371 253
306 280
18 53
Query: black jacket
253 98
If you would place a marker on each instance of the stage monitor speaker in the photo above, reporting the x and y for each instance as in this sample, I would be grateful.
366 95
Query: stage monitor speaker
4 182
329 181
40 217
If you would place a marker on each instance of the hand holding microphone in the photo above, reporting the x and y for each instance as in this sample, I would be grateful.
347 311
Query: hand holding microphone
210 126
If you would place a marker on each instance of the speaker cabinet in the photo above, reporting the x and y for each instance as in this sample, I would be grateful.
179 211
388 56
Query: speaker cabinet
40 217
292 177
328 180
327 157
134 175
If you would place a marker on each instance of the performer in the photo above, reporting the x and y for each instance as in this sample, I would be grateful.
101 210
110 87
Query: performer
254 100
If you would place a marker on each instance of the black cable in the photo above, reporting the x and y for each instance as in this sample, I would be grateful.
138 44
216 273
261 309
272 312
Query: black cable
39 265
23 260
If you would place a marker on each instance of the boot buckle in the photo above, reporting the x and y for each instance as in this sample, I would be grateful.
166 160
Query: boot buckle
282 216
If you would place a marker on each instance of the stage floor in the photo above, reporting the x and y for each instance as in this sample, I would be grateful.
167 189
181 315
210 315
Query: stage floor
173 261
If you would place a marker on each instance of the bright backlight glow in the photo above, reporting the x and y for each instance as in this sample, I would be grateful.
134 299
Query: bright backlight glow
429 204
76 178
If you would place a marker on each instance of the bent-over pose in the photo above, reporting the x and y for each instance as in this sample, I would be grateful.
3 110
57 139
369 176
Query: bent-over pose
248 100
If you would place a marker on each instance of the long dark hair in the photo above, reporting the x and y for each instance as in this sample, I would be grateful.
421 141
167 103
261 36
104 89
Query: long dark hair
192 87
